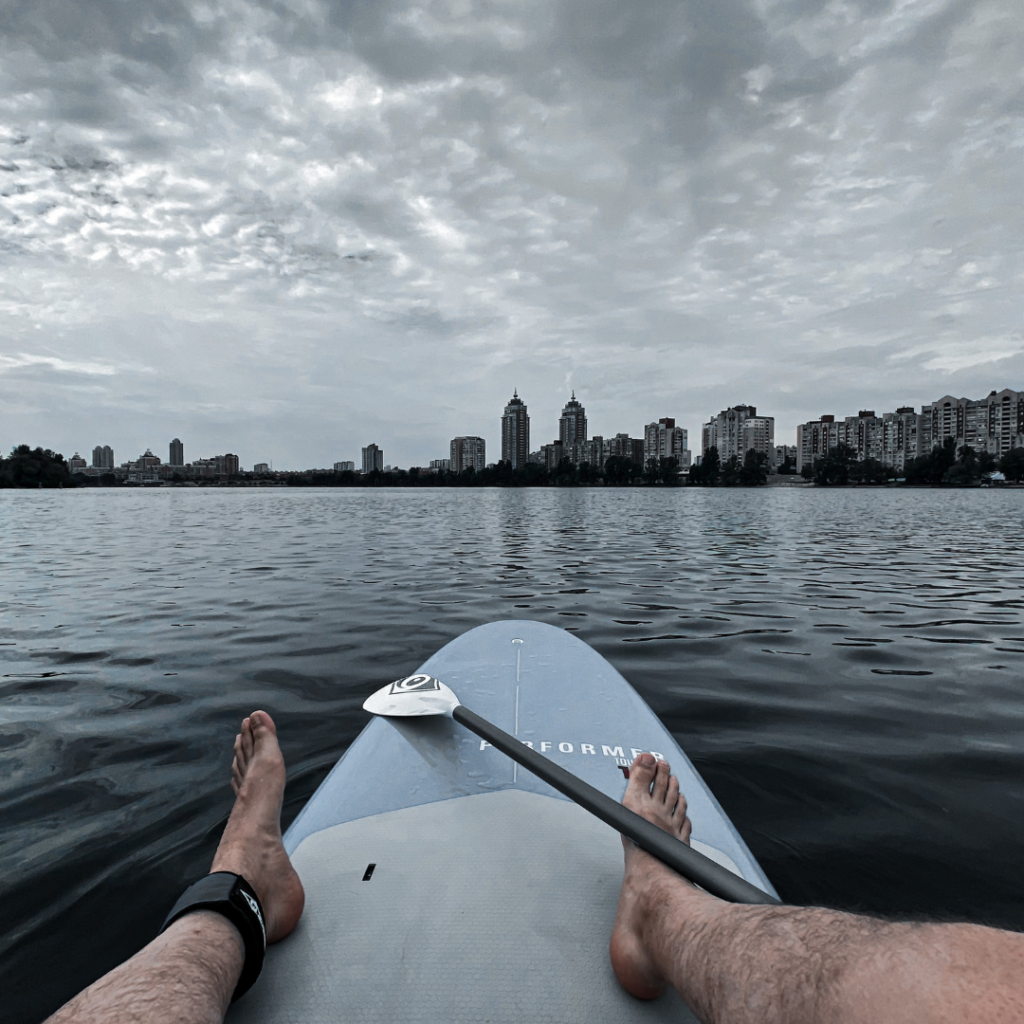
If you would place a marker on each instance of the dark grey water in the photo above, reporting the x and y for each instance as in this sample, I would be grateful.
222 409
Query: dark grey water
846 668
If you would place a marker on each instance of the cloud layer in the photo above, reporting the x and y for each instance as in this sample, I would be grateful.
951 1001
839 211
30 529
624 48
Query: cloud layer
289 228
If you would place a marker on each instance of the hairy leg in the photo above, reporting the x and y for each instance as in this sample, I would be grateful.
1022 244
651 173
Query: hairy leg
184 976
187 974
796 965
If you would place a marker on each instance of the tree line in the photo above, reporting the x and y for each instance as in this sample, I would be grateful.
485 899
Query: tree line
944 464
34 467
750 471
618 471
28 467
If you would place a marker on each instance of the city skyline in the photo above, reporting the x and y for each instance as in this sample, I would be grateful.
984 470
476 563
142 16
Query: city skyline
275 213
465 450
126 439
994 422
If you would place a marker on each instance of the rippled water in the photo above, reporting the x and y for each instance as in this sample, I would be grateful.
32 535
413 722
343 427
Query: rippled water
844 667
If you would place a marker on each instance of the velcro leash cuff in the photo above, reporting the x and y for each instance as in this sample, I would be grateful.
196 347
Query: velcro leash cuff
231 895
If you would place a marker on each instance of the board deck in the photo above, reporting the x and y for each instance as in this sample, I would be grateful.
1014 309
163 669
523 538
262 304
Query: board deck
492 896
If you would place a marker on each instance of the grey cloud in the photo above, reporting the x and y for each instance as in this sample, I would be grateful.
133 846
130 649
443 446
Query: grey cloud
300 217
161 34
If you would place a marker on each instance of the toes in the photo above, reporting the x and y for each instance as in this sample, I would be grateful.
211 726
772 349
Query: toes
263 722
264 732
679 817
247 740
236 777
672 796
661 775
240 762
641 775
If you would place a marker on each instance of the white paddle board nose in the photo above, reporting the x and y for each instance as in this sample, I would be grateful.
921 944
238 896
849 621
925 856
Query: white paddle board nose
411 697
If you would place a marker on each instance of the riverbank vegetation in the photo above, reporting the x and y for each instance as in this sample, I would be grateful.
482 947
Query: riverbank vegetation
944 465
34 467
750 471
618 472
28 467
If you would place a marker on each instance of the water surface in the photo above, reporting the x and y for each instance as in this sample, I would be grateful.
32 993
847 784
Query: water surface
844 667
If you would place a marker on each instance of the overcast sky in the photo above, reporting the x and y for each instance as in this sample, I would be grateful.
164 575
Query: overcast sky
287 229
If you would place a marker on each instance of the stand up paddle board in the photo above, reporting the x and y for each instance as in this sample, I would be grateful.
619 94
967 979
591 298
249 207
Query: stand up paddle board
446 884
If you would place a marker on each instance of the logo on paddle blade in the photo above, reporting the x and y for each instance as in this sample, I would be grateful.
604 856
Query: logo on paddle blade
415 684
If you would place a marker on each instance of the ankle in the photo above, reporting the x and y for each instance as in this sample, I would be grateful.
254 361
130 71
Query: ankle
210 949
670 910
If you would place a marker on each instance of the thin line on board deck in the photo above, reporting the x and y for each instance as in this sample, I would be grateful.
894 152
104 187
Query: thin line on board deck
515 765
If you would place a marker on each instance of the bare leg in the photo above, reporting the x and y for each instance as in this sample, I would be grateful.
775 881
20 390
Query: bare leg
187 974
795 965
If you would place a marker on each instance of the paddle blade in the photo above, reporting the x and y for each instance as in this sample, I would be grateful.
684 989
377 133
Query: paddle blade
411 697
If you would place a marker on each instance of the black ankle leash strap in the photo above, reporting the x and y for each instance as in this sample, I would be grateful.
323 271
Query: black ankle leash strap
231 895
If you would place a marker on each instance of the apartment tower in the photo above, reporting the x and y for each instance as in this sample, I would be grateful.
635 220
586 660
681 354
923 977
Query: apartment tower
515 432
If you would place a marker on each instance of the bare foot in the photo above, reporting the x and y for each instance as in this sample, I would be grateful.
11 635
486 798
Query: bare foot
251 845
654 794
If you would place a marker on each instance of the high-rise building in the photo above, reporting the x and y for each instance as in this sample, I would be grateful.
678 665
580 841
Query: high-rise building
624 446
467 453
815 438
1004 421
736 430
993 424
725 431
177 454
373 459
759 434
904 437
76 463
515 433
440 465
344 467
551 455
103 458
864 434
893 438
592 451
263 468
785 453
572 424
664 440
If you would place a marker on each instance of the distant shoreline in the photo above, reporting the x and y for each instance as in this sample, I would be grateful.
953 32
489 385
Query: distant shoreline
772 484
33 469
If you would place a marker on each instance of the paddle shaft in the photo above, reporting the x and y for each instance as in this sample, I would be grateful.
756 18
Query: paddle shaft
718 881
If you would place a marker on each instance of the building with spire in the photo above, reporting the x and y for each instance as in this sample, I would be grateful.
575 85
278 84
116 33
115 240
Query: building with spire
515 432
572 426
